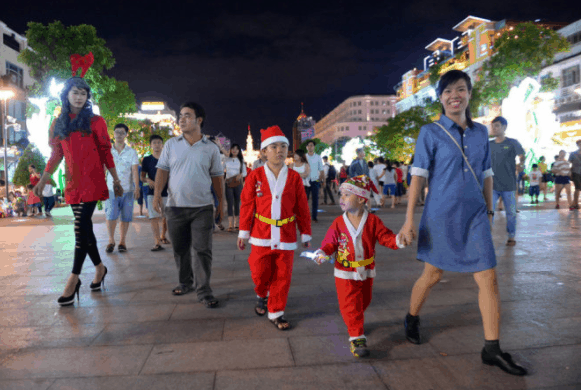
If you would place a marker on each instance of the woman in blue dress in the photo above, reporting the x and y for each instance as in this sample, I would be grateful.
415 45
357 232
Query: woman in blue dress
454 232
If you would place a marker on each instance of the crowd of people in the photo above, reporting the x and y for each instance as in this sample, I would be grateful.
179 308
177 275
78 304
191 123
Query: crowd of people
188 177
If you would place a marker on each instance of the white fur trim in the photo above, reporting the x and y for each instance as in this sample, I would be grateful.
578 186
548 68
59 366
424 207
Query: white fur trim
355 190
399 241
306 238
358 337
272 316
245 234
271 140
265 242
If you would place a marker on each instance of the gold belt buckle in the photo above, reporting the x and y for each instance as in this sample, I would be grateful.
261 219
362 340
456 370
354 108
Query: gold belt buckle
279 223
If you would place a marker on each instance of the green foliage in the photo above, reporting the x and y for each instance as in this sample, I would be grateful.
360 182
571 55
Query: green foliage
31 155
48 56
139 134
549 83
319 145
396 139
435 74
518 53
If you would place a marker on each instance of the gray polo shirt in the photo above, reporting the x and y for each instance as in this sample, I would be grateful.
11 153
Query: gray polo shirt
504 163
191 168
575 159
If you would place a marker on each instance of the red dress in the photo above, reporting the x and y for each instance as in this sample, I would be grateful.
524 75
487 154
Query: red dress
32 199
85 156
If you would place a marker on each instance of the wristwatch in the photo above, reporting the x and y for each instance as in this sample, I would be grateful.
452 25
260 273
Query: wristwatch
490 212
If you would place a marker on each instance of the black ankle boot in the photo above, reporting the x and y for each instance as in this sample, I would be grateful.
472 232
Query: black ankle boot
412 329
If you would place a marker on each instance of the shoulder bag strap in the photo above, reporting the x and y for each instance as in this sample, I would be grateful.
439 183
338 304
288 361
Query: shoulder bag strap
463 155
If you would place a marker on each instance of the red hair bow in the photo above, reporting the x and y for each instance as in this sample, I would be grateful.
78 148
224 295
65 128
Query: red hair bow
81 62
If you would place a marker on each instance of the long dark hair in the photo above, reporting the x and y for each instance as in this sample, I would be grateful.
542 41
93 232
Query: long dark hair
302 155
240 157
63 125
388 166
451 77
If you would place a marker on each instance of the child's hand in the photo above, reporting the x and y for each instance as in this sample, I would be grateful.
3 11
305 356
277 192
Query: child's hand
241 244
307 244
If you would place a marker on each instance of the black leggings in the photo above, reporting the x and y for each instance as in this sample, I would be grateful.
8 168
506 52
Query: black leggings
85 241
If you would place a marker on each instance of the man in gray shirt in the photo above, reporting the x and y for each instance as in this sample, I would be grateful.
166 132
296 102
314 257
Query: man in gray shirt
575 160
192 164
504 151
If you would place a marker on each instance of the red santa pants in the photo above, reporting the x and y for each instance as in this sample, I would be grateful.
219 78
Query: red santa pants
354 297
271 273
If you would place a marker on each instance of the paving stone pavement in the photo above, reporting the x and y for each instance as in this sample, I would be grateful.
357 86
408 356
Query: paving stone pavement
137 335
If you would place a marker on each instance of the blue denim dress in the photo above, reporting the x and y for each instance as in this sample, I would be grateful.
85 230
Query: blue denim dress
454 230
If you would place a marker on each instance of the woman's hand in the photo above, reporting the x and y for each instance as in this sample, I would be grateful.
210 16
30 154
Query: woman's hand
117 189
307 244
407 232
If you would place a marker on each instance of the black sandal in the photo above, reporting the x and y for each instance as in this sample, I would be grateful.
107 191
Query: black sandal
157 248
110 248
281 323
261 305
210 302
182 289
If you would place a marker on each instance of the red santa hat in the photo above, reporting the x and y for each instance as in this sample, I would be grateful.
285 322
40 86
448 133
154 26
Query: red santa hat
360 186
271 135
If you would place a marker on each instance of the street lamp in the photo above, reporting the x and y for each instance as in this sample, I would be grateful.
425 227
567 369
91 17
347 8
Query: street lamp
5 94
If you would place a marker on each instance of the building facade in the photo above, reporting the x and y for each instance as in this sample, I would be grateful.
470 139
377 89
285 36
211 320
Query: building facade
303 129
566 67
357 116
159 113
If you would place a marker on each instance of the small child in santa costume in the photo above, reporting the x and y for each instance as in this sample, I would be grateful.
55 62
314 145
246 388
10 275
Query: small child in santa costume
272 204
353 236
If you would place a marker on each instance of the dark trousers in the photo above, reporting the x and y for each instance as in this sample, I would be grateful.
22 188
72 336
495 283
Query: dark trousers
233 200
85 241
327 190
314 189
48 203
191 228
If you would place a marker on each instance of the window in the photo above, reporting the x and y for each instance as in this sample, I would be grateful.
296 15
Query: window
359 127
11 42
575 38
384 111
359 112
364 127
15 74
483 48
570 76
359 103
346 128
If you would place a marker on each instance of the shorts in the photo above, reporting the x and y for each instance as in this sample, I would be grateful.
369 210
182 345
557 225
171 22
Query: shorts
534 190
399 191
152 213
547 177
389 189
562 180
120 206
576 179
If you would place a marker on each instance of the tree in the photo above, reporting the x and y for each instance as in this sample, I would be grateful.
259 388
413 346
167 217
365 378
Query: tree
139 134
396 139
117 100
30 156
518 53
48 56
319 145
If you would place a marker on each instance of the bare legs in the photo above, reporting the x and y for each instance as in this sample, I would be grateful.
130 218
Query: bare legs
488 298
155 229
111 225
558 189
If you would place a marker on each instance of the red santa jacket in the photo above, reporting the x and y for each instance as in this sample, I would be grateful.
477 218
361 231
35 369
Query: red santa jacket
357 244
85 157
277 199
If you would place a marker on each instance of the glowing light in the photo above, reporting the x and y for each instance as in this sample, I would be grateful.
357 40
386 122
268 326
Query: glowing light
55 88
38 126
152 106
6 94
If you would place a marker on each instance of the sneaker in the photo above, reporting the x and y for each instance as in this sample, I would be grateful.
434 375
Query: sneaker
556 206
359 347
412 329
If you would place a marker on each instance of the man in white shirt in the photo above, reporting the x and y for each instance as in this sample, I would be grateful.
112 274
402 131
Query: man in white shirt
379 168
317 177
127 165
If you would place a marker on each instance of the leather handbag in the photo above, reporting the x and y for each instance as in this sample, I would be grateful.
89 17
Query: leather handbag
233 181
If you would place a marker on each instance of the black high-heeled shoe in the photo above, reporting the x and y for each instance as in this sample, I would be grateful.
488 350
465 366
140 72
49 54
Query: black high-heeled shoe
97 286
65 301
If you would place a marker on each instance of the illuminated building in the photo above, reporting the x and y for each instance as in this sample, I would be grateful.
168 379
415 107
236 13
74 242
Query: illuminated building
250 154
466 52
303 129
16 76
159 113
357 116
567 105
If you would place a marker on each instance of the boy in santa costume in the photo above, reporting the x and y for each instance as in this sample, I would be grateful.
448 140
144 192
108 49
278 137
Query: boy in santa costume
353 236
273 202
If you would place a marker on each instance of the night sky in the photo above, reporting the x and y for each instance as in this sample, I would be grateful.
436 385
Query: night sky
247 62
